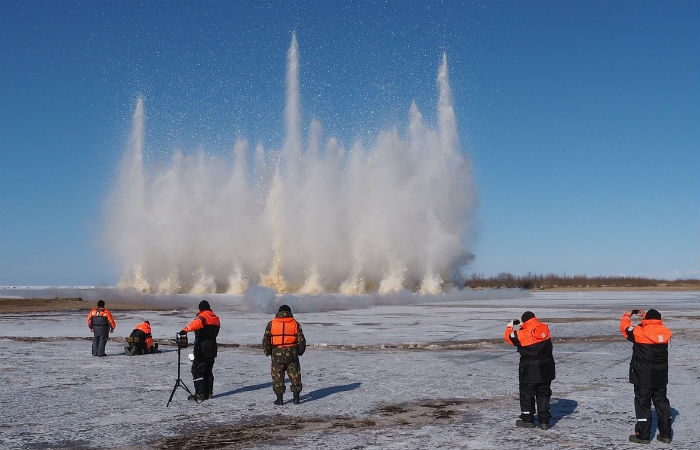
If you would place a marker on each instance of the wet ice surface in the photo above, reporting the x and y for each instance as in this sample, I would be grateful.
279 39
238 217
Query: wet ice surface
365 386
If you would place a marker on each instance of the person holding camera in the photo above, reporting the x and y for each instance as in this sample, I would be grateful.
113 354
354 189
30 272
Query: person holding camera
205 327
101 323
648 373
536 369
285 342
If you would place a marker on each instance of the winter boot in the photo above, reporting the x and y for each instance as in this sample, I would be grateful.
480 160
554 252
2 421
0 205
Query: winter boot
200 391
637 440
279 400
543 426
296 398
129 349
210 388
664 439
524 424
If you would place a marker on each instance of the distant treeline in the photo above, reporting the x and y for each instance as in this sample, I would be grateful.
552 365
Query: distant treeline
536 281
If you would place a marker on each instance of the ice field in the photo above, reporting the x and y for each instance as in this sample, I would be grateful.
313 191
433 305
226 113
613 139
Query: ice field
380 372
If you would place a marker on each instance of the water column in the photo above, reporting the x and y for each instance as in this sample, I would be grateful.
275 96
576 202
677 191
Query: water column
384 216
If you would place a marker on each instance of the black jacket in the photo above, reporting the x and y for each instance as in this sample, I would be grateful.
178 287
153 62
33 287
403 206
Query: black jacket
536 363
535 347
206 327
649 363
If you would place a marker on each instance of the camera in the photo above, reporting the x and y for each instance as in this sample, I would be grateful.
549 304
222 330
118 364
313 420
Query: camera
516 321
635 312
180 340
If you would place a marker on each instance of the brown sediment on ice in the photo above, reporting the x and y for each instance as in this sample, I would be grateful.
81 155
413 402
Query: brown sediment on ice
476 344
280 429
21 305
44 338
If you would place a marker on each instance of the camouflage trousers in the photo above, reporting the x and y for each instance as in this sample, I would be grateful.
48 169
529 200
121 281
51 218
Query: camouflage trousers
293 370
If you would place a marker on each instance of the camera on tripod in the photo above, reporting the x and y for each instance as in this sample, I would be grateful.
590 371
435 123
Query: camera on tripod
180 340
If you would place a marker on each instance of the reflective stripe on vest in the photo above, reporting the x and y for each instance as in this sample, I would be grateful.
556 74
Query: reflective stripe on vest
651 332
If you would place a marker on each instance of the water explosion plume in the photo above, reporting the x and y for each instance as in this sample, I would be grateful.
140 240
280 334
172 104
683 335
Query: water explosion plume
309 218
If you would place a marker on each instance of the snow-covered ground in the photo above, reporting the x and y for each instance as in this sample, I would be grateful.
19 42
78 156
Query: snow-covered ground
427 374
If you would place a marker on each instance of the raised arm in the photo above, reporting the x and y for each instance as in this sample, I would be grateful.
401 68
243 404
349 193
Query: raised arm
510 335
626 327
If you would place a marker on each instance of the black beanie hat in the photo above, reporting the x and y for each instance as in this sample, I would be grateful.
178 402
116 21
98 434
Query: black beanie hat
527 315
204 305
100 303
285 308
652 314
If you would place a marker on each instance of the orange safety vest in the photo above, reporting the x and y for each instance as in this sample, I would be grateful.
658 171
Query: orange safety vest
99 311
205 317
146 328
530 333
651 331
284 332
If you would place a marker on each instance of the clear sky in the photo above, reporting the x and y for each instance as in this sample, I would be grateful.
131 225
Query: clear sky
582 118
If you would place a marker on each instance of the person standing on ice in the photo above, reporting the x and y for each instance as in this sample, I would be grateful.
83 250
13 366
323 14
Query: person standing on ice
101 323
536 369
648 373
285 342
205 327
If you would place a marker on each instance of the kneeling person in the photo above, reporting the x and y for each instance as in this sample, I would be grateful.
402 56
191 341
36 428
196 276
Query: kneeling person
285 342
140 341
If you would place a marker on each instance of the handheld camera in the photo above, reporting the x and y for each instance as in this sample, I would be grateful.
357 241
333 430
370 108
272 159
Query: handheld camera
635 312
516 322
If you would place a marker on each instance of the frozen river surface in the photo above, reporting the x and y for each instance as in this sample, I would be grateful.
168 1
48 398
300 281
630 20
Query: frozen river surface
431 374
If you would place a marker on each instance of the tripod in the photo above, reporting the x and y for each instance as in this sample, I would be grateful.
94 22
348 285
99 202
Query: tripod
181 341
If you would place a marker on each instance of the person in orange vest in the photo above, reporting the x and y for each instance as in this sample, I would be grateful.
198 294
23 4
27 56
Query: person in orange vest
205 327
101 323
141 341
284 341
648 373
536 369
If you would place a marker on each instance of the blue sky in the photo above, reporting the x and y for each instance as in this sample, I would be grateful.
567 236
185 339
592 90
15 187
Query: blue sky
582 119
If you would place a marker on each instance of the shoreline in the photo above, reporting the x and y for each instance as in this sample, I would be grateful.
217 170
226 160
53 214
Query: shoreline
22 305
665 288
14 305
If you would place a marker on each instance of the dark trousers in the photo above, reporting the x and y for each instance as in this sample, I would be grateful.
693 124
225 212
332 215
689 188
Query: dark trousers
99 340
203 376
138 347
643 396
535 393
